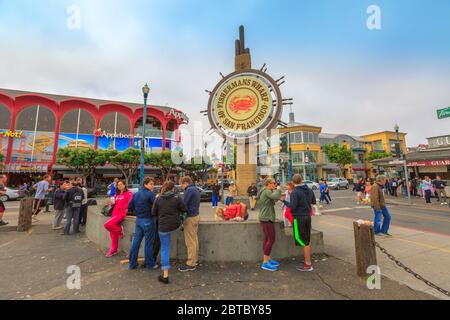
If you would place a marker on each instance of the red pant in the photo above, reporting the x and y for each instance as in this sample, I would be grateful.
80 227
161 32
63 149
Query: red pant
115 229
269 237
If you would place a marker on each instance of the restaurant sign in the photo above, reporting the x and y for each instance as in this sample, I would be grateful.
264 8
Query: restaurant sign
244 103
433 163
11 134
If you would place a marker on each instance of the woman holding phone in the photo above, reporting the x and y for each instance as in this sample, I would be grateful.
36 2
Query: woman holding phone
120 202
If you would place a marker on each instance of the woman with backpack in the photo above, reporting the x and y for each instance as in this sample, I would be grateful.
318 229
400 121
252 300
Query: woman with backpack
120 202
73 199
170 211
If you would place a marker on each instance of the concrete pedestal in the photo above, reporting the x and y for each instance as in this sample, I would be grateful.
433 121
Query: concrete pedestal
219 241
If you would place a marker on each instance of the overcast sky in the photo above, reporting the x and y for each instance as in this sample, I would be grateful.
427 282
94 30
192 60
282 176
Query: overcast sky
342 76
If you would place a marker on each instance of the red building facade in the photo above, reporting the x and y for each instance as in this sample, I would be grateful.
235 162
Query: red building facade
33 126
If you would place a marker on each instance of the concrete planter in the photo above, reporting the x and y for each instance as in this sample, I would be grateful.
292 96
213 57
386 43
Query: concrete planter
219 241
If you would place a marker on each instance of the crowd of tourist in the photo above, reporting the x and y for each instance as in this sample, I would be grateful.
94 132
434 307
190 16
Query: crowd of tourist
421 188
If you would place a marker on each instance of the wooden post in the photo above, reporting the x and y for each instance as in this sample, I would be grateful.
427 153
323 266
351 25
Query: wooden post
365 250
25 212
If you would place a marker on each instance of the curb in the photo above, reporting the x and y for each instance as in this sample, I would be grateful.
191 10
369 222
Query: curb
440 208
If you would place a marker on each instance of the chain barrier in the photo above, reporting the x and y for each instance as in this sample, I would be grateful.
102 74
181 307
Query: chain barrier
416 275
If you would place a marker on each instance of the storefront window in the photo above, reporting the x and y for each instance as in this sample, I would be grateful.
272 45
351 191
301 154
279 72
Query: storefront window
117 128
153 134
38 139
77 130
5 124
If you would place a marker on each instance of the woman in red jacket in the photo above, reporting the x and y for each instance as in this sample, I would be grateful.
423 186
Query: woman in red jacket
113 225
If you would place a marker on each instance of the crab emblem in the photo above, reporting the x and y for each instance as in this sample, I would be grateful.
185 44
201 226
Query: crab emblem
242 103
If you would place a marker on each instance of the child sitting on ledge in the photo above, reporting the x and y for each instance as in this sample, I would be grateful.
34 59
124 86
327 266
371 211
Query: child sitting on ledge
233 212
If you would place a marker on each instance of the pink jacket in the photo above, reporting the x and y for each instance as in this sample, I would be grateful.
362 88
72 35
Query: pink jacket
121 204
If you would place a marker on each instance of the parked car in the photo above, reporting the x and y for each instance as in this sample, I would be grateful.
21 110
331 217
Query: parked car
12 194
312 185
226 182
338 183
205 195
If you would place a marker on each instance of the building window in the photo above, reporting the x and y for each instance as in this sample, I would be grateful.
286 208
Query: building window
153 133
296 137
38 139
116 125
378 145
77 130
5 125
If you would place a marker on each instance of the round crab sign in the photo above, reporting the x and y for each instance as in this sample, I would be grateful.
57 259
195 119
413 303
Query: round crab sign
244 103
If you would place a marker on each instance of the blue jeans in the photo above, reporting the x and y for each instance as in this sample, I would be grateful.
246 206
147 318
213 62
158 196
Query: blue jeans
144 228
229 201
165 249
386 220
427 196
215 200
323 197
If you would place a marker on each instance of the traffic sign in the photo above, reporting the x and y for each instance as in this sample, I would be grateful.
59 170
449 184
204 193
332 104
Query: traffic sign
443 113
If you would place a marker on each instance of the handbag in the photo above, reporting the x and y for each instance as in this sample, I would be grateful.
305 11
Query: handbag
288 215
107 210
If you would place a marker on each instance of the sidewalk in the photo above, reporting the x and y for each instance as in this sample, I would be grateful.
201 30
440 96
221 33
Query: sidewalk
34 268
425 253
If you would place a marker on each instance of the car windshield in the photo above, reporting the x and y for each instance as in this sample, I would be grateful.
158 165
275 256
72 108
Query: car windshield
334 180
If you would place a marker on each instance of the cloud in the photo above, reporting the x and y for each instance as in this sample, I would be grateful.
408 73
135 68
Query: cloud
119 48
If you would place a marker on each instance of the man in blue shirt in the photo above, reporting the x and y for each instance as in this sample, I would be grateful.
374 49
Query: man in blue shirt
142 204
192 202
323 193
42 188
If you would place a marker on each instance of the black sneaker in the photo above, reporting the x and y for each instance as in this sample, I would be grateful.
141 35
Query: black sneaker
3 223
163 280
186 268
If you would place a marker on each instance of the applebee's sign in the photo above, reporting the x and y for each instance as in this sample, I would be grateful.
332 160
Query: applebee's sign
99 133
176 114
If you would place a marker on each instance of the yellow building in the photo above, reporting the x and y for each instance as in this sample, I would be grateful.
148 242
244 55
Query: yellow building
306 145
385 141
302 146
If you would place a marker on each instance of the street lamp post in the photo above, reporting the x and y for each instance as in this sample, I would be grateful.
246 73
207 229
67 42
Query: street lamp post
307 159
291 164
145 91
403 159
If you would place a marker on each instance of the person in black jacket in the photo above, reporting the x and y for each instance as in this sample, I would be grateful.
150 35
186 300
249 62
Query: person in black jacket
169 210
301 200
215 194
73 199
252 192
59 204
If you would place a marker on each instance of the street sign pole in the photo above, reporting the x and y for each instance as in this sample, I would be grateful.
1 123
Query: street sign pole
407 183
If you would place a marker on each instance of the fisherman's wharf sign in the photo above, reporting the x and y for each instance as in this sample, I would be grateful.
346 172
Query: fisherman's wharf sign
244 103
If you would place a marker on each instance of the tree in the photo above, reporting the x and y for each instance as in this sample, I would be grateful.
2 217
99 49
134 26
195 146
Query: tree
82 161
197 167
165 162
340 155
2 158
378 155
128 162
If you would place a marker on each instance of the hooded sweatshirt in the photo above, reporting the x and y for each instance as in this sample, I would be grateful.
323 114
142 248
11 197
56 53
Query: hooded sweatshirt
302 197
169 208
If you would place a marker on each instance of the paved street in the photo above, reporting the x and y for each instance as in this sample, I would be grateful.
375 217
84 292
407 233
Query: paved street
36 264
421 238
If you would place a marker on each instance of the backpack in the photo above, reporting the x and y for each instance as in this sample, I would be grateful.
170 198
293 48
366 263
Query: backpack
77 199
